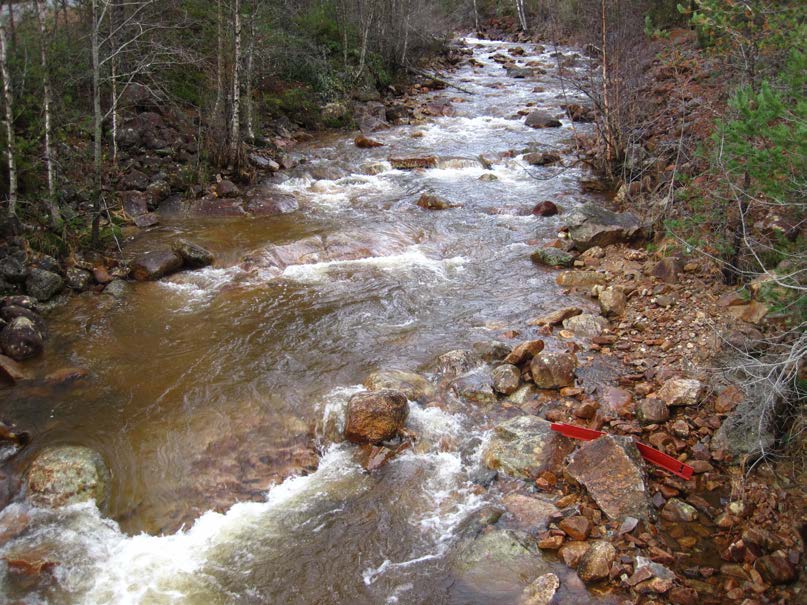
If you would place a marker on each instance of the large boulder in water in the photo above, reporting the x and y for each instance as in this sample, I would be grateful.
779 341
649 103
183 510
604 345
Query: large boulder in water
592 225
67 475
524 447
193 255
155 264
21 339
375 417
541 119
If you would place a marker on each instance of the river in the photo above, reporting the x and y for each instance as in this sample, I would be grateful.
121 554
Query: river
205 386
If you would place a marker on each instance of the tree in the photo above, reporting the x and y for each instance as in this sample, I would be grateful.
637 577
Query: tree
8 122
41 16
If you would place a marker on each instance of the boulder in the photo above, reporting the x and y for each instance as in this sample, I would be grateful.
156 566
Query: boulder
506 379
577 527
653 411
43 285
586 324
456 362
591 225
11 312
135 203
541 119
375 417
429 201
667 269
193 255
155 264
412 163
612 301
363 142
13 270
545 208
553 370
611 469
530 513
65 475
752 427
776 569
78 279
552 257
263 202
524 352
595 565
370 116
541 158
524 447
541 591
20 339
414 386
117 288
211 206
578 113
571 553
475 386
682 391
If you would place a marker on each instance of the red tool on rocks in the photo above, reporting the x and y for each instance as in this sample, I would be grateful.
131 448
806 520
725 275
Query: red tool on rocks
652 455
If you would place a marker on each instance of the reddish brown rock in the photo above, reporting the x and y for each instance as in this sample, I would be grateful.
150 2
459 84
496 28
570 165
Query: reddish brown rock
363 142
728 399
556 317
553 370
155 264
776 569
572 552
412 163
66 376
375 417
524 352
595 565
576 527
11 371
545 208
532 514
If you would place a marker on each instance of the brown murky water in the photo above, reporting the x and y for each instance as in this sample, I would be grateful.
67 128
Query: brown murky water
207 387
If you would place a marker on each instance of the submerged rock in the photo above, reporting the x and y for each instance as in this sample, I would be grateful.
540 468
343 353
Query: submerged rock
456 362
524 447
592 225
66 475
541 591
545 208
11 372
375 417
414 386
611 469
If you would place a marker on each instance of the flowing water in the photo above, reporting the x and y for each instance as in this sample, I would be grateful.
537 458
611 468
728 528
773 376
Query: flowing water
207 387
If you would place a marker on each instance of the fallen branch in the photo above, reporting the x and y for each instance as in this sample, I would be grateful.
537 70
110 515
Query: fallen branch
436 79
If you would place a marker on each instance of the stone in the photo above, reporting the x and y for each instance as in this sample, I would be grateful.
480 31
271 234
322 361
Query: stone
43 285
578 113
667 269
155 264
541 591
375 417
530 513
20 339
541 158
117 288
13 270
553 370
78 279
586 325
193 255
456 362
11 372
728 399
681 391
11 312
650 577
363 142
492 350
429 201
611 469
414 386
412 163
524 447
676 510
524 352
545 208
226 188
591 225
776 569
595 565
555 317
135 203
753 312
506 379
612 302
66 376
475 387
577 527
541 119
653 411
65 475
580 279
571 553
211 206
552 257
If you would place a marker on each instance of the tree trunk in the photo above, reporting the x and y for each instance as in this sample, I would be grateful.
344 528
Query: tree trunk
8 121
235 123
46 105
476 18
605 104
522 14
219 61
97 125
248 78
11 26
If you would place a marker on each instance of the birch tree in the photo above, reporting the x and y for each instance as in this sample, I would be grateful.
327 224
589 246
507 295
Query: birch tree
235 118
41 14
8 122
522 14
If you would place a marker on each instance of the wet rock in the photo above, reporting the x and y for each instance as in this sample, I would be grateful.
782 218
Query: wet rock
488 177
155 264
374 457
650 577
541 159
475 387
20 339
577 527
524 394
217 207
492 350
10 312
682 391
556 317
676 510
363 142
78 279
414 386
117 288
506 379
653 411
530 513
13 270
776 569
412 163
667 269
456 362
66 475
596 563
43 285
552 257
553 370
541 591
516 72
612 302
580 279
592 225
11 372
524 447
545 208
375 417
586 325
193 255
524 352
541 119
571 553
271 203
429 201
611 469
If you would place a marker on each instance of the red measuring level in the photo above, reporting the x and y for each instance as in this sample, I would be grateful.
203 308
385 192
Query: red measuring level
652 455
